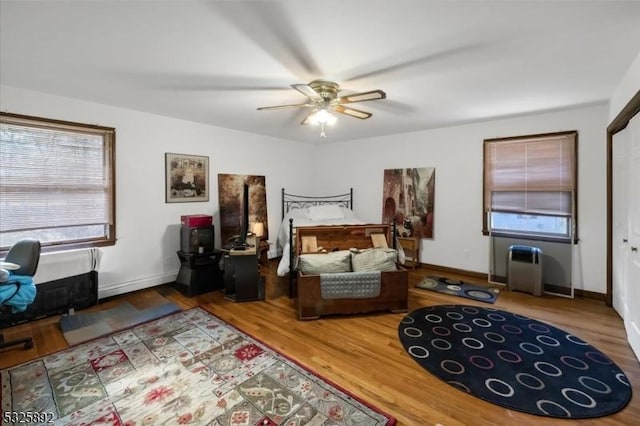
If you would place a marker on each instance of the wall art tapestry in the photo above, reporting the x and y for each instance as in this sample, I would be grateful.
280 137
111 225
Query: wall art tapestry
187 178
408 196
230 199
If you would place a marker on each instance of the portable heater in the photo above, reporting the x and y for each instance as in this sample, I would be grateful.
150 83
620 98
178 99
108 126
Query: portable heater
524 269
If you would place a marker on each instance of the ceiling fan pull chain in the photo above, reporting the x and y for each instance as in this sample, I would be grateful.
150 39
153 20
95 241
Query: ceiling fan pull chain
322 133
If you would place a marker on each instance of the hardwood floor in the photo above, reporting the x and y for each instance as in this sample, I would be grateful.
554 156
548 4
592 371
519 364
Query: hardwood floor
364 355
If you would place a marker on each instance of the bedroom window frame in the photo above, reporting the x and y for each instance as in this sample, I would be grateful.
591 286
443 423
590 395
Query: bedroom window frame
534 176
34 182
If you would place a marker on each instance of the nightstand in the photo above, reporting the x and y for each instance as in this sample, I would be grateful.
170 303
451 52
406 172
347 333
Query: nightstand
263 252
411 248
242 280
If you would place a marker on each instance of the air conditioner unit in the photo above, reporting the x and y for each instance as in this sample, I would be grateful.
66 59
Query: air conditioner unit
524 269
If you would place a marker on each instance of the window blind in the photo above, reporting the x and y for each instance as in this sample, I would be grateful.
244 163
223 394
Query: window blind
56 179
533 175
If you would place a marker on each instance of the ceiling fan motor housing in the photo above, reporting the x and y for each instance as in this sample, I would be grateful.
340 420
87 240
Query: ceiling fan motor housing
328 90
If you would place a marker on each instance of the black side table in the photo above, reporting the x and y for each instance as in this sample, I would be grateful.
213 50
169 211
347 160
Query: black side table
242 280
199 273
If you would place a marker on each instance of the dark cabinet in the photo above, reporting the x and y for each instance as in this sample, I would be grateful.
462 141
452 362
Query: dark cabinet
199 273
242 280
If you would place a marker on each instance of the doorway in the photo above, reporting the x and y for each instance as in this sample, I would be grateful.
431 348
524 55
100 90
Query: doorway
623 219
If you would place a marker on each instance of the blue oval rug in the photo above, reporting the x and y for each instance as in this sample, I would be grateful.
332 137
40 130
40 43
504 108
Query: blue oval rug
514 361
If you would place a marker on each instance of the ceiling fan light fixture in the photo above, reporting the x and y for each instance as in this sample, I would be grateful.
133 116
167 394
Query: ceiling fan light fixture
323 117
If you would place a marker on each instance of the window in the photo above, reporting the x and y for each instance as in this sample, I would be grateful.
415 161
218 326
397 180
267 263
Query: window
530 186
56 182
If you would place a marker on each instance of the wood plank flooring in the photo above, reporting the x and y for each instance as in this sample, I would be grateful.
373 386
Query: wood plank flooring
364 355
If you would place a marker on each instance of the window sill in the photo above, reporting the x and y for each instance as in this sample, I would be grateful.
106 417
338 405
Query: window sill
546 238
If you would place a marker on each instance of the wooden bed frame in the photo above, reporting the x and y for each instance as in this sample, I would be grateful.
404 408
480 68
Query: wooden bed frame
292 202
394 288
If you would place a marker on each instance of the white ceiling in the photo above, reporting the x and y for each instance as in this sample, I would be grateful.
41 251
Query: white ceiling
440 63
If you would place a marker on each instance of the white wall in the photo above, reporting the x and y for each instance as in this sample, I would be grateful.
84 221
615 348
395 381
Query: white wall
147 228
627 88
456 153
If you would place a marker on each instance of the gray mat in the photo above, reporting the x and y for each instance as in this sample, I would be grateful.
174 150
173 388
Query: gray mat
85 319
83 327
459 288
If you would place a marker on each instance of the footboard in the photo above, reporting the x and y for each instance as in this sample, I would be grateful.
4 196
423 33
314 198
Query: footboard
333 238
393 296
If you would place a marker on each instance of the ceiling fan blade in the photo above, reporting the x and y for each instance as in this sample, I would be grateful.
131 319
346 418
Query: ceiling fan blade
364 96
456 55
283 106
308 91
270 26
352 112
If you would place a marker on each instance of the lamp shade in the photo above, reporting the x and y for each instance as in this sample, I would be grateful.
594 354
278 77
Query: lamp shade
257 229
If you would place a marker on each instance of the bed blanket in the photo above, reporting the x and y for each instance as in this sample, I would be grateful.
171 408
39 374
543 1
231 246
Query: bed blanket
350 285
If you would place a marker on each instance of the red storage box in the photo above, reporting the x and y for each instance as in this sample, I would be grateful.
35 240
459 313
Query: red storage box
196 220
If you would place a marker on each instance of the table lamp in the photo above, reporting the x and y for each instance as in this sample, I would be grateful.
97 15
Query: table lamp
257 229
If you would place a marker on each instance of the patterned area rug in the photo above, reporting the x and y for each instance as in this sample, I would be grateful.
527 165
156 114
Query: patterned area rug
185 368
459 288
514 361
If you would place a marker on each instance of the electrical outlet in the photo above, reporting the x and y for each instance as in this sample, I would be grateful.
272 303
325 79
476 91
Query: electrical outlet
466 253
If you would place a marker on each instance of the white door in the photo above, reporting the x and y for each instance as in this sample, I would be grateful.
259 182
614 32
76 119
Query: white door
620 232
632 320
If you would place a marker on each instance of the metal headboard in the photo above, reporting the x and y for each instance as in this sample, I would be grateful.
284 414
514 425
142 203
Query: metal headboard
292 201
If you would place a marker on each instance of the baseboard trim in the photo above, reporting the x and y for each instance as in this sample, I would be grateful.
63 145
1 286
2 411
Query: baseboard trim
483 276
590 295
450 270
141 284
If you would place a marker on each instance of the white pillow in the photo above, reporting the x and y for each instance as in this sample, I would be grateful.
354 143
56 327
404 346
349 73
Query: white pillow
294 214
348 213
326 212
324 263
375 259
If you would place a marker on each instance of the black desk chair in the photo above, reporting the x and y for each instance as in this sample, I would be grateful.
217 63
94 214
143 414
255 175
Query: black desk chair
25 253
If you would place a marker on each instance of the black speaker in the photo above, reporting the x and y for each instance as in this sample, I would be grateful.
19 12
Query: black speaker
197 240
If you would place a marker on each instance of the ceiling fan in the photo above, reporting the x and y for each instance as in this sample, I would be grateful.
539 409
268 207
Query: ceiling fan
323 99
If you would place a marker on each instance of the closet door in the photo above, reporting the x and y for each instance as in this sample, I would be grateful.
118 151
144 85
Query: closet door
620 221
632 321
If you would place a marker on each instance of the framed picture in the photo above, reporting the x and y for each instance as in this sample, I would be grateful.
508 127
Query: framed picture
407 198
230 202
187 178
